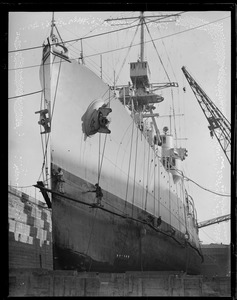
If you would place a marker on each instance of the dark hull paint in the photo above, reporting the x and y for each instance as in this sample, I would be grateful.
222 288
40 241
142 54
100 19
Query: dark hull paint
90 239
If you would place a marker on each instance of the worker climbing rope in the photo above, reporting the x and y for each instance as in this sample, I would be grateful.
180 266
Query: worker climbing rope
98 193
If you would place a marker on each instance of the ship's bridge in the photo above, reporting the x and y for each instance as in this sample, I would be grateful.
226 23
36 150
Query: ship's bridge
140 91
139 74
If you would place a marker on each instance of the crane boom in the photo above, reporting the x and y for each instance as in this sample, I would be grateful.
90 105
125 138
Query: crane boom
214 221
218 124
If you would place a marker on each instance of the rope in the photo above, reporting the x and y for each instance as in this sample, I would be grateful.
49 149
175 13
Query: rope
99 159
90 237
121 48
56 87
24 95
47 141
134 183
172 97
129 166
168 56
95 35
99 173
158 53
125 58
148 169
41 136
188 179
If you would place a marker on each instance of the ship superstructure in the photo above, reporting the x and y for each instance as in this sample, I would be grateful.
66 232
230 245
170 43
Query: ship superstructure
115 181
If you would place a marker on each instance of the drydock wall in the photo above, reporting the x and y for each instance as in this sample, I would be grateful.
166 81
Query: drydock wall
70 283
30 232
31 264
216 260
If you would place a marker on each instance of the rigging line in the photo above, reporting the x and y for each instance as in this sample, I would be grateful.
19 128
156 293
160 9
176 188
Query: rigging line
74 49
21 187
135 169
168 57
91 36
129 166
144 132
92 227
148 171
158 53
91 64
41 136
102 158
47 141
172 34
124 23
111 98
56 89
154 158
172 97
121 48
24 95
95 50
93 29
129 48
41 107
99 158
188 179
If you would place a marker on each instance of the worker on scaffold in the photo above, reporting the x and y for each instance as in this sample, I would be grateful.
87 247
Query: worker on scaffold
60 180
98 194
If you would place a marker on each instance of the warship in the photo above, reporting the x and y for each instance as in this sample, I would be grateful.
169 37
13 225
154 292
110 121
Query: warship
111 176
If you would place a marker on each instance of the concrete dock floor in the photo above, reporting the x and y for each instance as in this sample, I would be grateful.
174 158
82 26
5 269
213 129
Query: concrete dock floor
40 282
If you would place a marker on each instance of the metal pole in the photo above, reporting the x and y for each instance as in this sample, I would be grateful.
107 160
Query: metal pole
101 66
142 36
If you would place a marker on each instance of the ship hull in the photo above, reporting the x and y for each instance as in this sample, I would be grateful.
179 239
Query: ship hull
133 179
90 238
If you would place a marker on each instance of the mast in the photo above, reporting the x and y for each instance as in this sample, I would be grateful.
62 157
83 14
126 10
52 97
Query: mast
142 36
52 25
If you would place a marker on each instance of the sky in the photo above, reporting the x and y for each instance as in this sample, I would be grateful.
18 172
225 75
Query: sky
205 51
